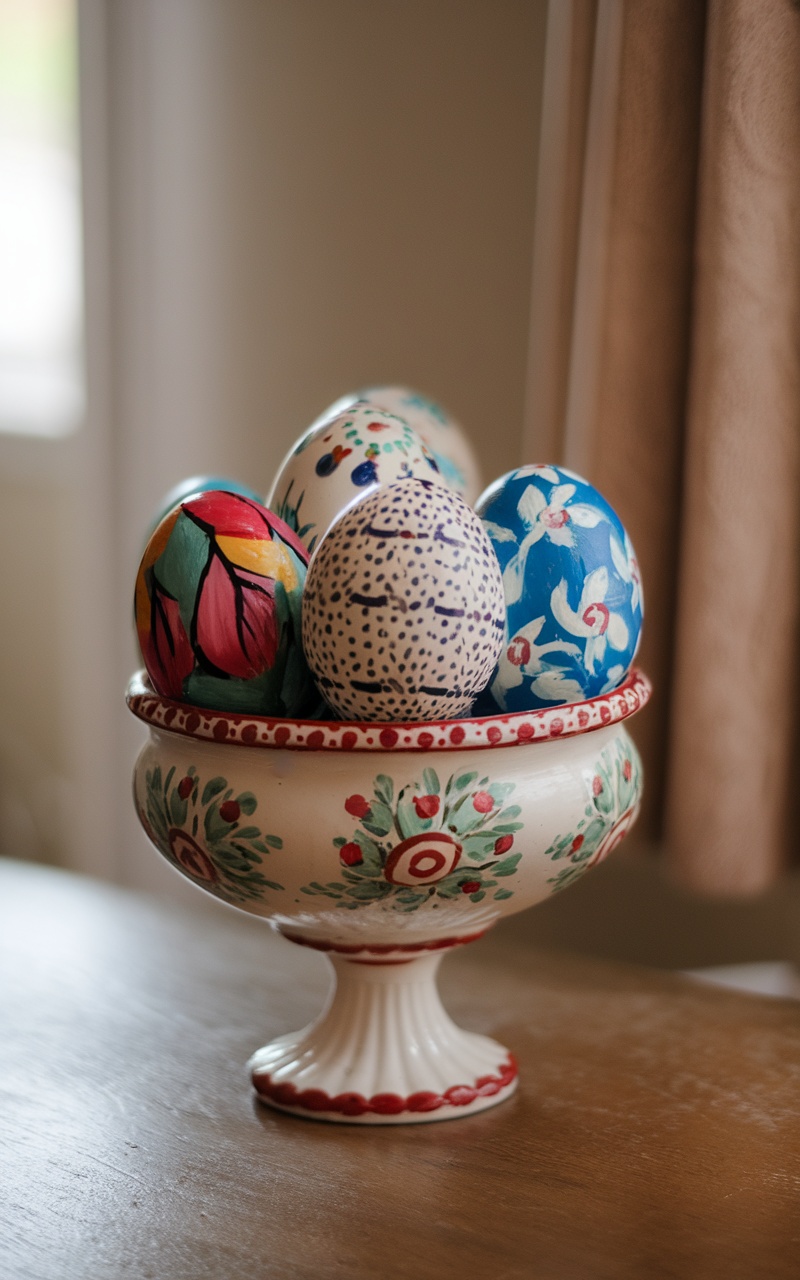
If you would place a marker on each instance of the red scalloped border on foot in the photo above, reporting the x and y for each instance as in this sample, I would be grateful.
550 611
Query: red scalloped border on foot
381 949
384 1104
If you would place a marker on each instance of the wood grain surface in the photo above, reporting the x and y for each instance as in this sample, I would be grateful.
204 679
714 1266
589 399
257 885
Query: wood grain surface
656 1132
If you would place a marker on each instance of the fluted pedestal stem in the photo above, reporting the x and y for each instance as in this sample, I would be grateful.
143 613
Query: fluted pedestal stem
383 1051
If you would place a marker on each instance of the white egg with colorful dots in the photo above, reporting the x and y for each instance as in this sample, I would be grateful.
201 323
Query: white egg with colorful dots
571 585
439 431
340 459
403 615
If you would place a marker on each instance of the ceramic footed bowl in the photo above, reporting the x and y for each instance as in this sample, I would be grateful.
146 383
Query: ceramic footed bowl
384 845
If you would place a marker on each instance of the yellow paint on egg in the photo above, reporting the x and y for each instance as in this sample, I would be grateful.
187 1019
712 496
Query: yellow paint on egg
270 559
152 551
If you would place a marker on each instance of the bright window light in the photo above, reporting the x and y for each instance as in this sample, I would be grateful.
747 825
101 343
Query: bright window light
41 301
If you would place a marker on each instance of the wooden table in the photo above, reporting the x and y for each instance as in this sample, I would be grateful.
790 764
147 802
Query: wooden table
656 1132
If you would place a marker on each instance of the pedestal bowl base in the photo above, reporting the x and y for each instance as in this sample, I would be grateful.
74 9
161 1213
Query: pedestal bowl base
383 1051
381 846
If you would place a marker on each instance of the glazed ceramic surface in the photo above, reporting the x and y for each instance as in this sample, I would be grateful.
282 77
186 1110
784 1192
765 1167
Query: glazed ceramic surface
403 608
441 433
571 585
342 459
218 600
383 848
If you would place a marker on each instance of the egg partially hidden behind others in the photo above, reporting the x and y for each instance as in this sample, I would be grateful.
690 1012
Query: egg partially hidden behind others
218 599
403 606
444 436
339 460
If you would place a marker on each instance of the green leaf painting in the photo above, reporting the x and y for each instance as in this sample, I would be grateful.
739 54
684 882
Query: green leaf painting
425 842
614 788
204 830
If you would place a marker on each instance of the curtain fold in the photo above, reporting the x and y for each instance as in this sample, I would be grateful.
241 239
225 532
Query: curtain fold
734 703
682 401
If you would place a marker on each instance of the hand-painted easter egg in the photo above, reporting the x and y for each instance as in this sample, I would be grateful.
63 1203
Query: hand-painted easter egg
403 606
441 433
341 459
571 585
195 485
218 600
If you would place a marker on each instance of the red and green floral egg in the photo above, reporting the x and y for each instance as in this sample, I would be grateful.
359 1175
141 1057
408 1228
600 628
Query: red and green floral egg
192 487
341 459
218 608
403 609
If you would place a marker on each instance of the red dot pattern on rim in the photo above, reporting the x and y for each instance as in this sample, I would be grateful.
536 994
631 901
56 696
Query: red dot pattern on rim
467 734
384 1104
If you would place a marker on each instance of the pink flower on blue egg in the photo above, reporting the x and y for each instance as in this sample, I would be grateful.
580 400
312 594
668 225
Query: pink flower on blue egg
523 657
592 621
551 518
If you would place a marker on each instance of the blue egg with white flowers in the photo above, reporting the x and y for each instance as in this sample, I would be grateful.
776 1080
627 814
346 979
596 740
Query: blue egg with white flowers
572 590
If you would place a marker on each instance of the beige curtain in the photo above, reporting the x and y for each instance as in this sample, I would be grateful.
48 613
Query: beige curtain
669 374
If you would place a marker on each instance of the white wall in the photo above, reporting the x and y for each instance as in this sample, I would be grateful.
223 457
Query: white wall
284 199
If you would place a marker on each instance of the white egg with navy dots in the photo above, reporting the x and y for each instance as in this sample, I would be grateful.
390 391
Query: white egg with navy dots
403 615
571 586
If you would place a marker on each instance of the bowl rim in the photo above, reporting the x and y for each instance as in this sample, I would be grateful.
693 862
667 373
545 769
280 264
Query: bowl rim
519 728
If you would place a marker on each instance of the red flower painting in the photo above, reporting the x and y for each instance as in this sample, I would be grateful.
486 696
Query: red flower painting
426 840
191 857
357 806
426 806
195 823
236 632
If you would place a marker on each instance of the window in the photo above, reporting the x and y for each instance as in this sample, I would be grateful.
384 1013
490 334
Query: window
41 304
